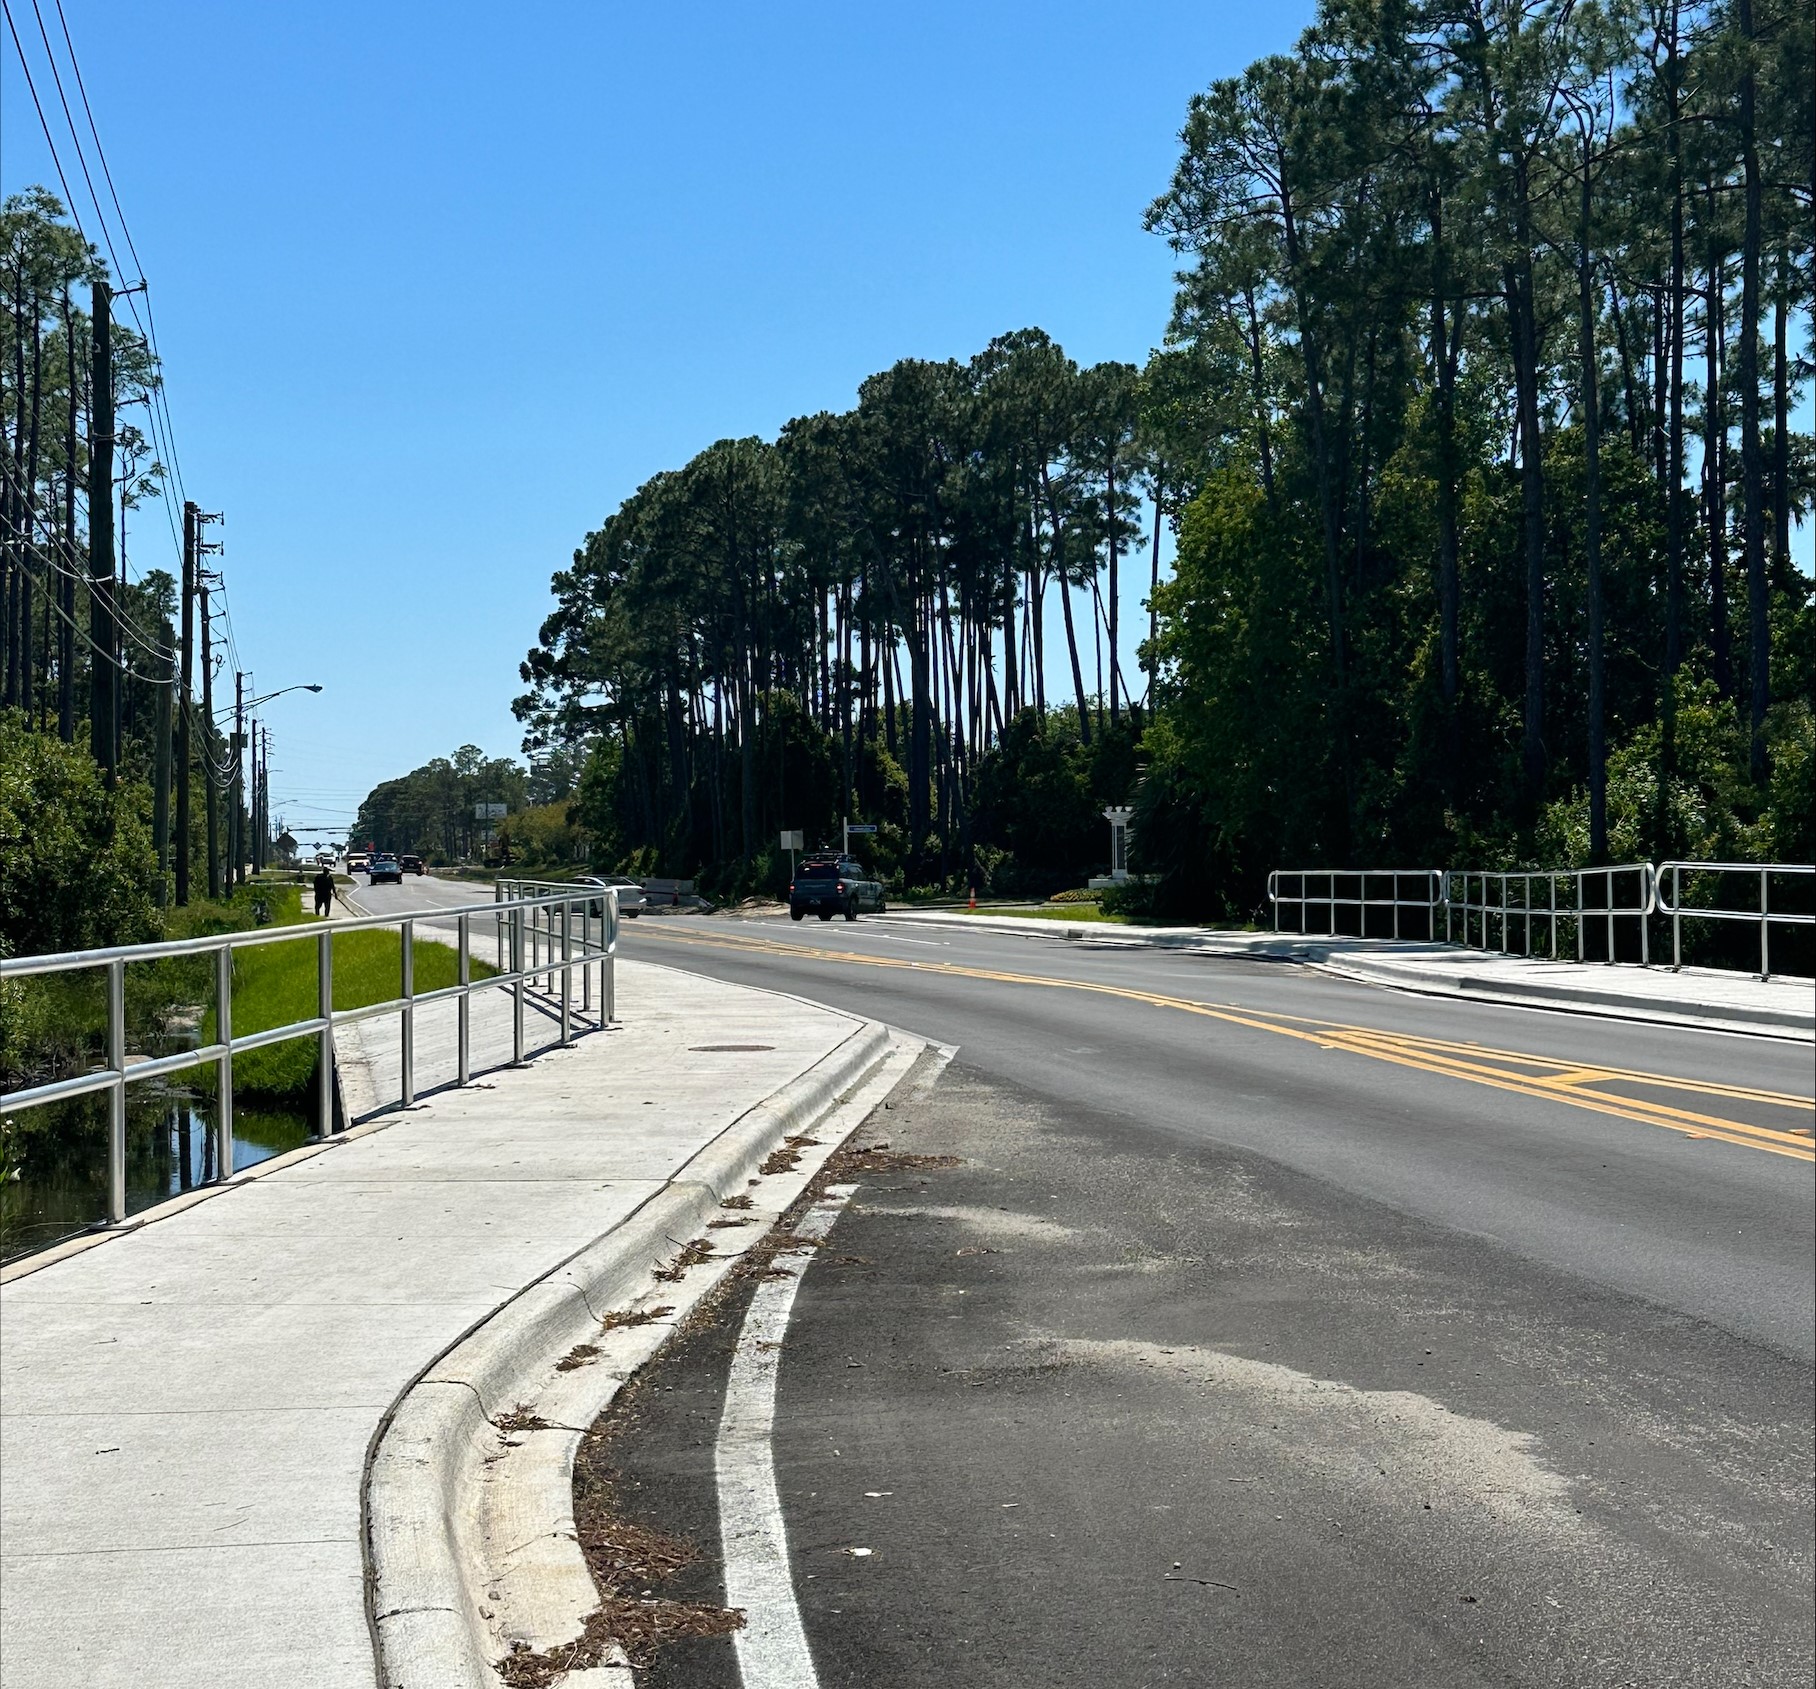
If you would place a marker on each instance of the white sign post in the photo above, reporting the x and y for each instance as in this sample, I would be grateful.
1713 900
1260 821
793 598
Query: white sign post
793 840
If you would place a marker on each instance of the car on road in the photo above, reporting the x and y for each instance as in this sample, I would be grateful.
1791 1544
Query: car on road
385 868
831 885
356 861
412 864
631 900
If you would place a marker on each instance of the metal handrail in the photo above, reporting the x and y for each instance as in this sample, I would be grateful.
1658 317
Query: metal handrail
1331 901
1673 904
526 926
1578 913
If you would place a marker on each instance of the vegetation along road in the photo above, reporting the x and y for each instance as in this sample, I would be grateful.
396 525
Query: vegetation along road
1268 1329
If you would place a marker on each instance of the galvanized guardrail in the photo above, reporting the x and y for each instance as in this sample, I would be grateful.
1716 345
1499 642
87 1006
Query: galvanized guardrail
1485 909
1334 889
1672 903
541 937
1596 897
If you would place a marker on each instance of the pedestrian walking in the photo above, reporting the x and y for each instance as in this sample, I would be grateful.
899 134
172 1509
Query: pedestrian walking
324 892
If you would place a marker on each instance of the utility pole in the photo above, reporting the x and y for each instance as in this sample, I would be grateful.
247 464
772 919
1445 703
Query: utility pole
236 841
185 707
160 801
258 802
104 677
208 750
66 582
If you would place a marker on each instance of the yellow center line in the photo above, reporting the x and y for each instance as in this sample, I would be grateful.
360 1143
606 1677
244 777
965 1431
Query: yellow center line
1569 1082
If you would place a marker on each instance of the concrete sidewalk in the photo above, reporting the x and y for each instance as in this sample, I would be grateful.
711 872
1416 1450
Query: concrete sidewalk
186 1409
1782 1006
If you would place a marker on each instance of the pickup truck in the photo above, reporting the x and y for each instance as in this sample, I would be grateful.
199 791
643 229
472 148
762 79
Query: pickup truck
833 885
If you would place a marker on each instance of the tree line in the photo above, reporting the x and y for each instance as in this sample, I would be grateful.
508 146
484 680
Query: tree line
88 645
1473 423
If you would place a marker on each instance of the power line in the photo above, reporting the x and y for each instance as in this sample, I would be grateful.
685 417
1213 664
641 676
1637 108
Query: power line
69 198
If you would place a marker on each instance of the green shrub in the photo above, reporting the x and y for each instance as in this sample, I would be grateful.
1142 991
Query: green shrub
77 869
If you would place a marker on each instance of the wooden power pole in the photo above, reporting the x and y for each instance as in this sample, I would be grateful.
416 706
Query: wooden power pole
104 675
210 797
185 705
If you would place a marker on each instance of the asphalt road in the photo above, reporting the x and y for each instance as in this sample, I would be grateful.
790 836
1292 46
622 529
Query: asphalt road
1271 1329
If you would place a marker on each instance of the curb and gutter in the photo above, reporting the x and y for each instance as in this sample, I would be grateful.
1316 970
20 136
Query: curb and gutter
1359 959
468 1533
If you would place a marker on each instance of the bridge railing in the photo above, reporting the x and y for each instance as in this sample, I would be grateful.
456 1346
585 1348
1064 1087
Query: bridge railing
1343 895
1574 909
1720 878
543 938
1602 914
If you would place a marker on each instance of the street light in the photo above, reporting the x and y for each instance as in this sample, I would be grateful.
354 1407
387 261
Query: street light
253 703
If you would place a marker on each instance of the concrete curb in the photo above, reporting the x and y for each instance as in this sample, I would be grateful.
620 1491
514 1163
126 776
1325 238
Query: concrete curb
429 1571
1346 963
1611 1004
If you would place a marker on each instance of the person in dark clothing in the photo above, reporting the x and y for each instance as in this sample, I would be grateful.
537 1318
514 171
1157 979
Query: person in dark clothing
324 892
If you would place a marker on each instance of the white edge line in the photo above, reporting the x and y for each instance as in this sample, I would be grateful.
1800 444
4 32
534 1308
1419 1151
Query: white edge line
772 1647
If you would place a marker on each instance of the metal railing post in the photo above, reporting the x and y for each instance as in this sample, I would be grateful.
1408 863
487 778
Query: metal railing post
1608 893
324 1056
116 1095
223 1014
1765 925
517 983
407 1015
1647 897
1580 915
1677 920
567 975
609 973
463 1043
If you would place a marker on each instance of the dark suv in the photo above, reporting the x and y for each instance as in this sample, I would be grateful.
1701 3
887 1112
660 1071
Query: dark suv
833 885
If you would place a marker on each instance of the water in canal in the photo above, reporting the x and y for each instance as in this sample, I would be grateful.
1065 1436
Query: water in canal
58 1185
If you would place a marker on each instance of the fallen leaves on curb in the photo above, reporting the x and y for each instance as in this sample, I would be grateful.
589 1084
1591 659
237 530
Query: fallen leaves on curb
695 1254
579 1355
621 1318
520 1418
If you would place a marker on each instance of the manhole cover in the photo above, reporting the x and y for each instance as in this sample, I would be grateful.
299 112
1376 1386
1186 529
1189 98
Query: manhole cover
728 1048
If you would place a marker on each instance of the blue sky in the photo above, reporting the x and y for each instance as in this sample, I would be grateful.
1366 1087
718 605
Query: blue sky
437 286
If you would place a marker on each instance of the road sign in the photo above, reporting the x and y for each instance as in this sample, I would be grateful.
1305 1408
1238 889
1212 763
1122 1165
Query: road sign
860 827
796 840
489 811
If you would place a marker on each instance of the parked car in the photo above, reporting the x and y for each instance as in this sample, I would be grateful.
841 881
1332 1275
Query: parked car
831 885
386 868
631 900
412 864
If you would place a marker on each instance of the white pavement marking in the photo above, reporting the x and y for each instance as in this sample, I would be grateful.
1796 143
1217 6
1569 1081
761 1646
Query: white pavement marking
772 1646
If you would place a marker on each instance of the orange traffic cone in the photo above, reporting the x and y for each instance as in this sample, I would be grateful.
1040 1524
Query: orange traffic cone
974 897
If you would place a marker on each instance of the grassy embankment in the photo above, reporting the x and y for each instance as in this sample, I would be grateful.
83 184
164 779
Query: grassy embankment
275 983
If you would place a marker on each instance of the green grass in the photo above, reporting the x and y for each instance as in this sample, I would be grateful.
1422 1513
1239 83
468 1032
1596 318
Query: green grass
275 983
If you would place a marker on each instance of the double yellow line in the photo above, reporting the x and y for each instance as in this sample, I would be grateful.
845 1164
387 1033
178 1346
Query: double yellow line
1543 1077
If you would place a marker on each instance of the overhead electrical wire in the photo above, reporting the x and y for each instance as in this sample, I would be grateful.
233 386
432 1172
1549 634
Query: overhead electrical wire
162 428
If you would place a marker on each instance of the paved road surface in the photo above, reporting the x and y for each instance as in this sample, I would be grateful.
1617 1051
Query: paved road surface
1273 1330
